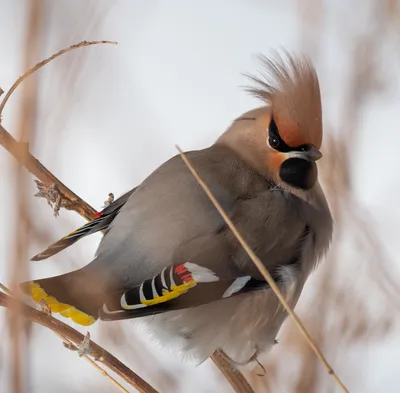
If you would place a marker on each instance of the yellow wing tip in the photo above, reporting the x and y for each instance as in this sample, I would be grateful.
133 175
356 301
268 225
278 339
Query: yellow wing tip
37 293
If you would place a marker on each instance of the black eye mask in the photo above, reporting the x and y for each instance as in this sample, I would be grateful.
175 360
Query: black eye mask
277 143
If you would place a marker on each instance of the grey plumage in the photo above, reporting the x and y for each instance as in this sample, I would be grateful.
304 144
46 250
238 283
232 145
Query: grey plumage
168 220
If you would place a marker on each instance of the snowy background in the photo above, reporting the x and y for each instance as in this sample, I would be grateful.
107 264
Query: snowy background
109 115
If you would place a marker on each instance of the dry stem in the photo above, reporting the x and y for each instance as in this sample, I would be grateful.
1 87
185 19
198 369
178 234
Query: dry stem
70 345
42 64
232 375
44 175
19 271
21 151
72 335
263 270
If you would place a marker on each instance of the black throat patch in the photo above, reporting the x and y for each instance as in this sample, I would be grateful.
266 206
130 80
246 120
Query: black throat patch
299 173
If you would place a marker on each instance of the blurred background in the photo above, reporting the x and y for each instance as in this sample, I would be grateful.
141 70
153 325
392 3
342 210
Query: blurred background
106 116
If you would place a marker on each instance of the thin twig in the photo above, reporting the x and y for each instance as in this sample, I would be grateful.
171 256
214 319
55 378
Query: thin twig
71 346
21 151
43 63
263 270
69 333
103 372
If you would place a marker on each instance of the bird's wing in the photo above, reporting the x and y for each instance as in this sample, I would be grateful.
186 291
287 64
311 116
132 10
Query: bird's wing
207 276
175 288
104 219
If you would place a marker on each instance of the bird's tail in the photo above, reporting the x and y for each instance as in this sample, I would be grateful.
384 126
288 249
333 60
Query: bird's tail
98 224
74 295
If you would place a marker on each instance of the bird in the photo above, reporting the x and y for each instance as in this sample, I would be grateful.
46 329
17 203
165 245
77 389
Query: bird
169 261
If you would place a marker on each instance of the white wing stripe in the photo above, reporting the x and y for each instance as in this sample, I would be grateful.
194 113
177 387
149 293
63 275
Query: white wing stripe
236 286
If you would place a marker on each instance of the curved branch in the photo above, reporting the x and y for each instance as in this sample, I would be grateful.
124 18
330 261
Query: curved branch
34 166
96 351
42 64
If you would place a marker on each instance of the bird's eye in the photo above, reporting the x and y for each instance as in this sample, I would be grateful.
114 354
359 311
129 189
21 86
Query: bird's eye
273 135
273 141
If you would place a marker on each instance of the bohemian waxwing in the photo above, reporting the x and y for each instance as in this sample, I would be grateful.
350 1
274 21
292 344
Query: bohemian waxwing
169 257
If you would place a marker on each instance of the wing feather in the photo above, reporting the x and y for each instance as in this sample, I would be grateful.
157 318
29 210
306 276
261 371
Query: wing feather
106 217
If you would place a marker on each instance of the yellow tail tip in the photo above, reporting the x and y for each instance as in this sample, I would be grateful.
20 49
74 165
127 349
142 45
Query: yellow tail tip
37 293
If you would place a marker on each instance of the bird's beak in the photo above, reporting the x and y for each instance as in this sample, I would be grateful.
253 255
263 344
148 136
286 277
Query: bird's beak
310 155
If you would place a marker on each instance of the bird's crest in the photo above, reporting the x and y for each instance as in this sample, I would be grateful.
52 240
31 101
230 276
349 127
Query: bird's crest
289 85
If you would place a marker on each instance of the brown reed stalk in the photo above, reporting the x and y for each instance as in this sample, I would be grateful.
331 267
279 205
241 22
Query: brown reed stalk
36 168
19 270
43 63
70 334
265 273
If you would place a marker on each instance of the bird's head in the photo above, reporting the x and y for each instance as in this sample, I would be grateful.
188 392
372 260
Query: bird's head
282 139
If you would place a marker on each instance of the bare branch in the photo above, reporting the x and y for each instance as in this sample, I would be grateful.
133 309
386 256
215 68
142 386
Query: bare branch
86 344
75 337
35 167
263 270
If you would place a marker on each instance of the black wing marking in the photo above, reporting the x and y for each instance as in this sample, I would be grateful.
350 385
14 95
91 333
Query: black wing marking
105 218
210 275
176 287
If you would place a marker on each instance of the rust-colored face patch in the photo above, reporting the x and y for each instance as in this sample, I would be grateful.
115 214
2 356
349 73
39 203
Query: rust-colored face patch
290 132
275 160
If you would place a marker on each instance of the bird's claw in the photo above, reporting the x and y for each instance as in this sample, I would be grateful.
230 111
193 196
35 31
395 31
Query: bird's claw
251 359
